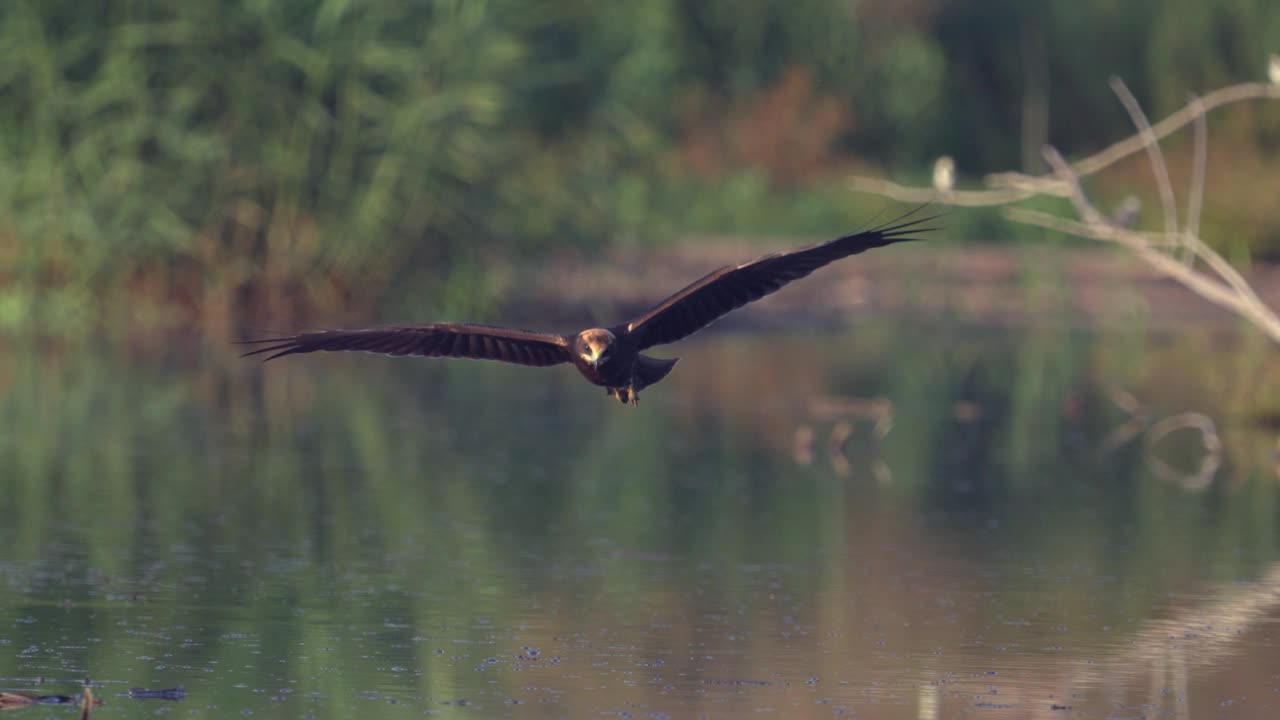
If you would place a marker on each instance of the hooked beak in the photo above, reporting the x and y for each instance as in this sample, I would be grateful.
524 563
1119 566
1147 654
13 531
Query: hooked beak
593 359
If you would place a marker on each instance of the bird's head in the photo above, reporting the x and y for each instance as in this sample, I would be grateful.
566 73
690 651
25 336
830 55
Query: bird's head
593 345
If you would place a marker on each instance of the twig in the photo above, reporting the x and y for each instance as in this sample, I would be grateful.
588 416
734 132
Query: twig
1176 121
1134 424
1204 473
966 198
1072 181
1225 271
1189 241
1151 144
1199 160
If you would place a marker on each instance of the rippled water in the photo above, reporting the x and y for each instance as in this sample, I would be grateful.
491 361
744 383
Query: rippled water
903 522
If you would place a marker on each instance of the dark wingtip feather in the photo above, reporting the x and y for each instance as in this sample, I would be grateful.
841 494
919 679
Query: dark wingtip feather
906 224
278 346
896 230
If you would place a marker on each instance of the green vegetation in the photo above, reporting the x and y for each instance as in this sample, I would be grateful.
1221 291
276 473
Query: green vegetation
245 161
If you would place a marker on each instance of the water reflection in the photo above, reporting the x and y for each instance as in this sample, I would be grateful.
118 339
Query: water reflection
86 701
878 530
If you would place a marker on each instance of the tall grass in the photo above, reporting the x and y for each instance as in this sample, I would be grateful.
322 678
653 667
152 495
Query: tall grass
246 163
218 154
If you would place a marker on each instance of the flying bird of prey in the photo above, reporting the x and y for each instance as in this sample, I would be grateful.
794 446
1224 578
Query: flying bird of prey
609 357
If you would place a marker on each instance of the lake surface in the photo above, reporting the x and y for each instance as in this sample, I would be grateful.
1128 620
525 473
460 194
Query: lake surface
907 520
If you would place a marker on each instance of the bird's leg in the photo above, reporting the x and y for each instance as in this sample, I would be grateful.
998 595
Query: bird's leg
635 396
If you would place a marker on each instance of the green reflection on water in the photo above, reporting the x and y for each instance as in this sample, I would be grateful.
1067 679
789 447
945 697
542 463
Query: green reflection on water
335 534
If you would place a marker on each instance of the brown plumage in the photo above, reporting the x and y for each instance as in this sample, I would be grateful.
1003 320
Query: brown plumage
605 356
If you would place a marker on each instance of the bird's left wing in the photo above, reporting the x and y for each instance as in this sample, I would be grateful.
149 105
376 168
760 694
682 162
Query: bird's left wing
461 340
729 288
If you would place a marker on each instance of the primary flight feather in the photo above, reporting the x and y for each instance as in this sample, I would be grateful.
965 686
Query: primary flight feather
609 357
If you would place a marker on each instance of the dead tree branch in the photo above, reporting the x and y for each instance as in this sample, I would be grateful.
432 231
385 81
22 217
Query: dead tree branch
1176 251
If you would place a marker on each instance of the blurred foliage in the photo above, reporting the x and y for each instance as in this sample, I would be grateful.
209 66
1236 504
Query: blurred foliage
252 161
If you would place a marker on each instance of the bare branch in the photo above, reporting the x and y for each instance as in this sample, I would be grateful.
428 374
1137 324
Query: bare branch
1124 148
1228 289
1000 185
1192 244
967 198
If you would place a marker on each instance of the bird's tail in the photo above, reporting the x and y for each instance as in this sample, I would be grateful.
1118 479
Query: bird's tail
650 370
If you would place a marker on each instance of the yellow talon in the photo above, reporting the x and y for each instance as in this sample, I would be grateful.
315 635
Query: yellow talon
624 395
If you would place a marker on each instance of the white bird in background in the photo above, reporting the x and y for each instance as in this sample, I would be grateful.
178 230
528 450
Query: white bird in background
1126 213
1273 70
944 175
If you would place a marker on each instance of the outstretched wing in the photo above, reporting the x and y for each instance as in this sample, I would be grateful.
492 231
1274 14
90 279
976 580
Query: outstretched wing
729 288
482 342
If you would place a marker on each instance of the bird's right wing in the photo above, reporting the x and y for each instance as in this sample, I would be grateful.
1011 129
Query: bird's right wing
460 340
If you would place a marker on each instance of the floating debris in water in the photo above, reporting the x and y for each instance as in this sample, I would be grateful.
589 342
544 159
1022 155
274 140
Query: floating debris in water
731 682
173 693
